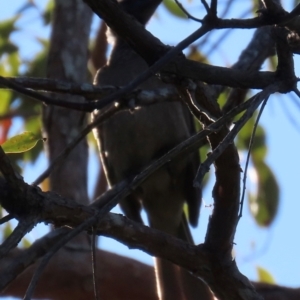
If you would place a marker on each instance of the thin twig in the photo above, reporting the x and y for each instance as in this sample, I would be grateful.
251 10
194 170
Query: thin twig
205 166
63 155
74 232
6 219
296 91
23 227
248 156
87 90
45 260
220 39
206 6
81 106
94 264
187 13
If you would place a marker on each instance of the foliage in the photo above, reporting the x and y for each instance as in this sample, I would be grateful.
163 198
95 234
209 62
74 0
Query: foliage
20 143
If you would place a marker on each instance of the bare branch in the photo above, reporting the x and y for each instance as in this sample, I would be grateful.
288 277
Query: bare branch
187 13
48 100
248 156
256 101
6 219
24 226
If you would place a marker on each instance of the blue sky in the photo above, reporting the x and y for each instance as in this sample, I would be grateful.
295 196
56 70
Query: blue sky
276 248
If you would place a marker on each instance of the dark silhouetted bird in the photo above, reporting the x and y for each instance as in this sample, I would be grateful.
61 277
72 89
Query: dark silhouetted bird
129 141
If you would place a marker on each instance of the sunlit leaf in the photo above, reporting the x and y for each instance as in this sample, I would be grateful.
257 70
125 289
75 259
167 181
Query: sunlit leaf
264 276
186 210
222 99
273 62
9 65
7 230
264 204
196 55
174 9
5 97
26 243
14 63
33 124
255 6
21 142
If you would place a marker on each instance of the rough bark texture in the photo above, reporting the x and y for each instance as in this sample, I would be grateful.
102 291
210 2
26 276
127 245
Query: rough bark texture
67 60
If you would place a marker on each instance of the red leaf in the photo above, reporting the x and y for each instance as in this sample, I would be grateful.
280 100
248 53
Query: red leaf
4 128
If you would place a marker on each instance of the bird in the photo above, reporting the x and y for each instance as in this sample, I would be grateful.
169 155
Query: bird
131 139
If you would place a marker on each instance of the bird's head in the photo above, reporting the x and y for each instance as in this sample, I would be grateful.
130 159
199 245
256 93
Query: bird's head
142 10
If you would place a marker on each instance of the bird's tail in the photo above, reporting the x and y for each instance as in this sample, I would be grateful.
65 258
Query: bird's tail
175 283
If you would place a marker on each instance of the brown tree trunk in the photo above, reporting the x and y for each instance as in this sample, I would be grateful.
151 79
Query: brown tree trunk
67 60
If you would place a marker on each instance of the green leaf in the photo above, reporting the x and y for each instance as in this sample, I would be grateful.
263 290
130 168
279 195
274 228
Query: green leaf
203 152
14 63
5 97
26 243
47 14
7 47
174 9
7 27
196 55
33 124
273 62
264 276
222 99
21 142
259 148
7 230
264 204
255 6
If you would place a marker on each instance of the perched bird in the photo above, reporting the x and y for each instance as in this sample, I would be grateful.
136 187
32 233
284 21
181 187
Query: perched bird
129 141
